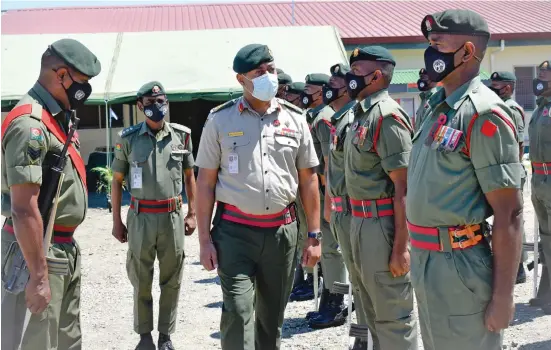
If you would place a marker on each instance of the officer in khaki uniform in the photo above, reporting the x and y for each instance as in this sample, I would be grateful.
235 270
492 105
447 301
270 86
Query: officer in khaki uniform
503 84
376 155
464 167
539 131
427 88
32 133
255 154
154 157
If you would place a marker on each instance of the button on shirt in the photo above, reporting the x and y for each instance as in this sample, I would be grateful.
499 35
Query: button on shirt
270 149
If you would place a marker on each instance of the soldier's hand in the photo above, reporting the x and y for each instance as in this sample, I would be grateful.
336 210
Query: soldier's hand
37 294
120 232
208 256
190 224
311 253
499 314
399 264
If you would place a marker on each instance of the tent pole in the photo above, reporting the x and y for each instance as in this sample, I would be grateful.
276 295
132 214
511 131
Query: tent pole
108 134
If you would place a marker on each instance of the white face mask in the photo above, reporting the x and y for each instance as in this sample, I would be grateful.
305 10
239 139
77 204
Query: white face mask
265 87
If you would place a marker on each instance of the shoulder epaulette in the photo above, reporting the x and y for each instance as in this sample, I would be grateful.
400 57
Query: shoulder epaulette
481 105
130 130
339 114
224 106
290 105
181 127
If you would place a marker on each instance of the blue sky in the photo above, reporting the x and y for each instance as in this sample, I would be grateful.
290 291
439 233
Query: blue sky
23 4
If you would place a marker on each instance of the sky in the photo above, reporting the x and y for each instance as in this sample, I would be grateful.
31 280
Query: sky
25 4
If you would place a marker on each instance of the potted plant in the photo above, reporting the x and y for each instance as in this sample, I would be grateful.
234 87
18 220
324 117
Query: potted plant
105 175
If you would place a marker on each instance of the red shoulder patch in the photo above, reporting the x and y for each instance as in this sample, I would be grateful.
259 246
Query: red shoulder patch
488 128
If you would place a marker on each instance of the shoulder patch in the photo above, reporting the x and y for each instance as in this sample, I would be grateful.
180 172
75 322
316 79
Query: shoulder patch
224 106
290 105
181 127
130 130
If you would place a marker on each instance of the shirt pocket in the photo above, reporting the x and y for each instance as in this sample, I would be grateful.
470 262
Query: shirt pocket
174 165
236 145
140 160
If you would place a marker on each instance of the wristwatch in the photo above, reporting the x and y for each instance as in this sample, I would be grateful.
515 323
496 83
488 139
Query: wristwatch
316 235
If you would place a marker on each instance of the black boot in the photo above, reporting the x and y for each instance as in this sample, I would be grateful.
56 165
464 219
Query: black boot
306 292
521 274
323 305
359 344
164 342
544 296
332 315
146 342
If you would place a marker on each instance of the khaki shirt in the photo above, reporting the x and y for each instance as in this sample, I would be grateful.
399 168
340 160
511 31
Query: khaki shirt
423 107
162 158
539 132
342 121
369 159
447 187
26 149
270 149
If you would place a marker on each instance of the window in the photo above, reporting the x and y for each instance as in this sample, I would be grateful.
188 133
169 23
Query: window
523 89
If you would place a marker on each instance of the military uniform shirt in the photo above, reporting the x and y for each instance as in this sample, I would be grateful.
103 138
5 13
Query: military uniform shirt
539 131
518 117
423 107
367 164
446 188
162 158
337 184
24 148
321 134
270 149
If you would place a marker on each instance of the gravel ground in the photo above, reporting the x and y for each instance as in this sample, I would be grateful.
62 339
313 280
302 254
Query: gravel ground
107 300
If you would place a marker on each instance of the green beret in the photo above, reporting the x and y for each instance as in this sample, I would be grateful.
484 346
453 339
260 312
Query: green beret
279 71
295 88
153 88
423 71
339 70
503 76
317 79
464 22
545 65
77 56
251 57
283 78
372 53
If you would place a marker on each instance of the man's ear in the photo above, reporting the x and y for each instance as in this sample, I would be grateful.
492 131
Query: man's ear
470 51
140 105
240 79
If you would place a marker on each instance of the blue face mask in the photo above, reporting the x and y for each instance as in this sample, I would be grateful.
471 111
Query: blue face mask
156 112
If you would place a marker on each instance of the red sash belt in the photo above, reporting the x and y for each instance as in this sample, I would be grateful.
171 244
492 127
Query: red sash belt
428 238
541 168
338 204
156 206
284 217
61 234
372 208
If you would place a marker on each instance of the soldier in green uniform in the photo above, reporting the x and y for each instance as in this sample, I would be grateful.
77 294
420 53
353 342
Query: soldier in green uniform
539 131
427 88
376 156
293 93
154 157
32 133
503 84
464 167
255 154
283 79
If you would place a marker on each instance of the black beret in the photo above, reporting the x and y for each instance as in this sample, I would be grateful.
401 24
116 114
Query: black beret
153 88
372 53
545 65
251 57
279 71
464 22
339 70
317 79
284 78
503 76
423 71
77 56
295 88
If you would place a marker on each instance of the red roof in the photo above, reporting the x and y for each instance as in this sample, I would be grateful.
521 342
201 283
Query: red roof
357 21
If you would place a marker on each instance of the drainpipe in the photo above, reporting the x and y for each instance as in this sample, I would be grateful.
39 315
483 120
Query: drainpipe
501 49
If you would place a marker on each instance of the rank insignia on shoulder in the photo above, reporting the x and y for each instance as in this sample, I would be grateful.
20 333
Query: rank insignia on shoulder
223 106
130 130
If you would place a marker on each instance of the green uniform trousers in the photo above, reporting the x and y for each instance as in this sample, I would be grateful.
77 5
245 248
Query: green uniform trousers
150 235
303 231
256 267
332 262
524 256
57 327
387 301
453 290
340 225
541 200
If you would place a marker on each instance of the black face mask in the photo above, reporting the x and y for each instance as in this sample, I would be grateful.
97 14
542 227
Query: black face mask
440 64
77 93
539 86
156 112
356 83
423 85
330 94
307 99
496 90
